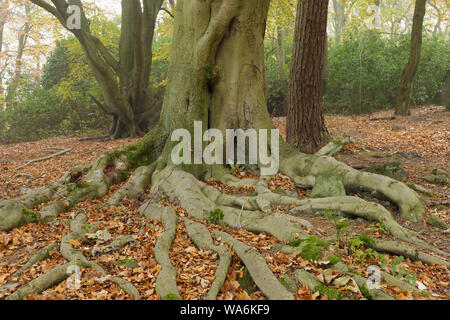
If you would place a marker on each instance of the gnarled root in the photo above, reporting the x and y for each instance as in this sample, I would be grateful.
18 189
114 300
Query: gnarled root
258 269
201 237
166 285
407 200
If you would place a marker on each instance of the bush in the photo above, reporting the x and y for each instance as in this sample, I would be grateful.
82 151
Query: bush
364 72
41 114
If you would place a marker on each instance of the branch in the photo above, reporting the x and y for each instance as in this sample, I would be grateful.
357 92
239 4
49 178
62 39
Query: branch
43 159
168 12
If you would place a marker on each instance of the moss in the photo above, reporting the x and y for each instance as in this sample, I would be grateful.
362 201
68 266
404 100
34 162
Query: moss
392 170
436 222
30 216
247 283
288 283
365 292
331 293
338 143
48 219
171 296
216 216
139 155
313 248
296 243
130 263
328 184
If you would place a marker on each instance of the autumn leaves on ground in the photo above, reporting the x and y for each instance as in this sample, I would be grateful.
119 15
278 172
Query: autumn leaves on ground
420 143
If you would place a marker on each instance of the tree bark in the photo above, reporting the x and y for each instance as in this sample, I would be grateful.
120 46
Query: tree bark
409 73
306 125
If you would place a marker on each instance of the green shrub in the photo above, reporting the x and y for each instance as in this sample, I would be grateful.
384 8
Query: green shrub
363 73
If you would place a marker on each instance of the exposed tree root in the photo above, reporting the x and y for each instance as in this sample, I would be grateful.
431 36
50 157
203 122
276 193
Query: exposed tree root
166 285
401 249
43 282
372 294
257 267
79 229
76 260
411 208
135 185
201 237
35 258
255 213
307 279
333 147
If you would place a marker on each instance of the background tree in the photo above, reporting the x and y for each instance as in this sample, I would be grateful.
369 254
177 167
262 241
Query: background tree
404 94
23 36
124 81
306 128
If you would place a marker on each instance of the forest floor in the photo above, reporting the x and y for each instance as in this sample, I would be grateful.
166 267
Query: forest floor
419 142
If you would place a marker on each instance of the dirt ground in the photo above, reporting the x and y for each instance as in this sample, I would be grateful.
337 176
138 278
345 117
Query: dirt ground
419 142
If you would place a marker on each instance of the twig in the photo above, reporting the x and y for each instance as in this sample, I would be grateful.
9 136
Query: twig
42 159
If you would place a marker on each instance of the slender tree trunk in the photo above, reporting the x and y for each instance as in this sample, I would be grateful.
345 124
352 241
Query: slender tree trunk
220 79
339 19
305 125
405 89
21 44
281 109
446 92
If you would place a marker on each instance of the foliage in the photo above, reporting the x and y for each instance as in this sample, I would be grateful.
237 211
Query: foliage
312 247
216 216
42 114
363 72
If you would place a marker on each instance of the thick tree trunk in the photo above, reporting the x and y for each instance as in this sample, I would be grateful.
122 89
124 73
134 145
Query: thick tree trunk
306 125
217 70
409 73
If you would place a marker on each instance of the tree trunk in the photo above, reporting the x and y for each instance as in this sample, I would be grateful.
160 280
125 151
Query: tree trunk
339 19
409 73
446 92
280 110
21 44
220 79
305 125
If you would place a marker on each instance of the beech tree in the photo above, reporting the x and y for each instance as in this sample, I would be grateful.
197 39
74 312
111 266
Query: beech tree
124 81
216 77
409 73
306 128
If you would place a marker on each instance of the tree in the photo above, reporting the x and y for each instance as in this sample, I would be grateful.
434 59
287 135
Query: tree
409 73
22 40
124 81
4 14
306 128
216 77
